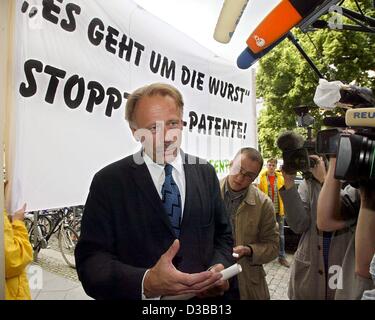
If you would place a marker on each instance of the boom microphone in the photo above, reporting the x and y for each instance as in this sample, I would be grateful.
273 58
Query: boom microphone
289 141
360 117
229 17
279 21
247 58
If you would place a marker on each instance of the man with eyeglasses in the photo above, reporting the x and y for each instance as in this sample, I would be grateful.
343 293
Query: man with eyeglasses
253 222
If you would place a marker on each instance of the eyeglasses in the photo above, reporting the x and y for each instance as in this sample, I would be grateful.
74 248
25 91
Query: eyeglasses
245 174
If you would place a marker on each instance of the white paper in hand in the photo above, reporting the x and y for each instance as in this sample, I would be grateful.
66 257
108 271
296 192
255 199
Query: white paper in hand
227 273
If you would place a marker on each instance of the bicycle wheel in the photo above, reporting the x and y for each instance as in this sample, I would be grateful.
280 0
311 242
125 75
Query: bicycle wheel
40 236
68 239
76 225
47 223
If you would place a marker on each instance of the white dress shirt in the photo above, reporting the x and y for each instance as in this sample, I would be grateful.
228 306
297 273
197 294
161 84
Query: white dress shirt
158 176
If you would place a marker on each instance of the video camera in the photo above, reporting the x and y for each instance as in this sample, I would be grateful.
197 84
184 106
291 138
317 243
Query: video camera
295 150
353 139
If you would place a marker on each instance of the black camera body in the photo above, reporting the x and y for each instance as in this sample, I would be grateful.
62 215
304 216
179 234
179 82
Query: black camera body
296 150
299 160
296 160
327 141
354 149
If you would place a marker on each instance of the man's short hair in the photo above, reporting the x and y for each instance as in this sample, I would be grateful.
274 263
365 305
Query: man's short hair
161 89
252 154
272 160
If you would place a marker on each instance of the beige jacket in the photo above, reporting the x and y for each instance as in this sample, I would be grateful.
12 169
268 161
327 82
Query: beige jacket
255 225
308 276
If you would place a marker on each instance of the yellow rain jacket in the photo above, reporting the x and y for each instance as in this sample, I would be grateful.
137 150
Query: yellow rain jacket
263 185
18 254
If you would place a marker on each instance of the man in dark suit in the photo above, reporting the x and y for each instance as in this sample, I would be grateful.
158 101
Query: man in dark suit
154 222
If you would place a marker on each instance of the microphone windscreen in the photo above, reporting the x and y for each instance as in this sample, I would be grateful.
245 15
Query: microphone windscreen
290 140
247 58
338 122
230 15
274 26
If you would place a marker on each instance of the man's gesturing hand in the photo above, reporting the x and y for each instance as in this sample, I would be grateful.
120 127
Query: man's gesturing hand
164 279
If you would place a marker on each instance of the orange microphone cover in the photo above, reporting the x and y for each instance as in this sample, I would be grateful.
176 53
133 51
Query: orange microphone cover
276 24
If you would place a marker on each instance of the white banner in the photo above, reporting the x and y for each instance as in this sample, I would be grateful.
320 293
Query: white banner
76 62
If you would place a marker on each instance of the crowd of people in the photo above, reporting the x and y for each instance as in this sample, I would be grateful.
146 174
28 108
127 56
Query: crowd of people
159 223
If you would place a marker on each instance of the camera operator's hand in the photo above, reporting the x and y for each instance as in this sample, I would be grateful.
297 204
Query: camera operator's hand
319 170
288 179
329 203
367 193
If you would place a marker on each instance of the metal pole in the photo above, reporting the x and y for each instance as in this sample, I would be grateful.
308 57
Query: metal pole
36 235
324 25
350 16
254 106
304 54
356 15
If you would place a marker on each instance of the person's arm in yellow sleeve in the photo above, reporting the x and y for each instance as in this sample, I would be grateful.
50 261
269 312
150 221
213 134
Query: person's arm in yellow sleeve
18 250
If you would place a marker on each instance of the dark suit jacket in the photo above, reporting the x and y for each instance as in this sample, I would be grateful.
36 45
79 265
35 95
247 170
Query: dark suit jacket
125 229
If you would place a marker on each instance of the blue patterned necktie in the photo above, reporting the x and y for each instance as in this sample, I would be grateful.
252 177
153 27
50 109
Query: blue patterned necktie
171 199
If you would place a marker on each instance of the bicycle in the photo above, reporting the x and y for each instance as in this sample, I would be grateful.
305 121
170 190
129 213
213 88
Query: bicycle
67 236
44 226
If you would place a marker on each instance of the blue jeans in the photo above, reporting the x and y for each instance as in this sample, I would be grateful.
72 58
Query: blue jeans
280 221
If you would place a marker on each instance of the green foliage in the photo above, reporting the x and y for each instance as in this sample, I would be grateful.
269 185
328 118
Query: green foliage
285 80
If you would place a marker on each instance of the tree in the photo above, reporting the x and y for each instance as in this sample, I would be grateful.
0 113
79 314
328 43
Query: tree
285 80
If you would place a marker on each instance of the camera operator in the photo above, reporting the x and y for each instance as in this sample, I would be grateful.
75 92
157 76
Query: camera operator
317 250
365 238
339 210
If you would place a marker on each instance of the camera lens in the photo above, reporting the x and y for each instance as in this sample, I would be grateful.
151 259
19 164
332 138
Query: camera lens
366 159
355 158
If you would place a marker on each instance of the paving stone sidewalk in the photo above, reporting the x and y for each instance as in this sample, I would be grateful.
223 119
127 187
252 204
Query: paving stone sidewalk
60 282
277 277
